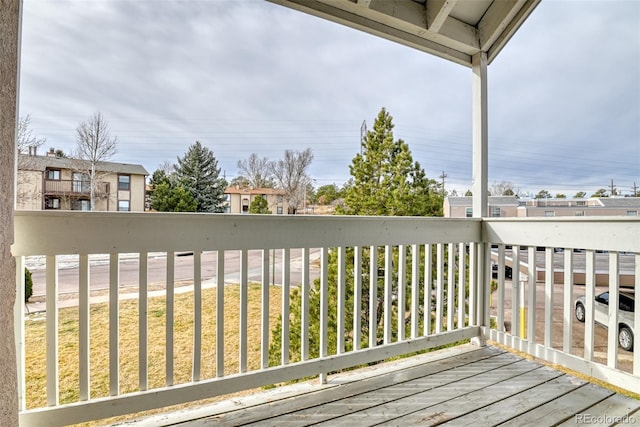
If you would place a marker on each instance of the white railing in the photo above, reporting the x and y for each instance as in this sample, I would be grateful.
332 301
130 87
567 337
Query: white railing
380 266
374 267
552 262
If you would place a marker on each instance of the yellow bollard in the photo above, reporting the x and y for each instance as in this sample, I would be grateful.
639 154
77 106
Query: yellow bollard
523 309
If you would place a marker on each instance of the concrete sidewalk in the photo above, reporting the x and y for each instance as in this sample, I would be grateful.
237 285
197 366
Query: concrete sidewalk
41 306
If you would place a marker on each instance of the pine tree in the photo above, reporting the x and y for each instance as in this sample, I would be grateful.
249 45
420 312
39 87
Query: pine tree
259 205
386 180
199 174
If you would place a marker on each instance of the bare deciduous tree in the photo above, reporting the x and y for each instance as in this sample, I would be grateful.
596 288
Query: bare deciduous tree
257 171
27 144
503 188
25 140
94 145
291 175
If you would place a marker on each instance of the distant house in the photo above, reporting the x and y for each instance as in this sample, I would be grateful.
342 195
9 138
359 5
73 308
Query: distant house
239 199
52 182
510 206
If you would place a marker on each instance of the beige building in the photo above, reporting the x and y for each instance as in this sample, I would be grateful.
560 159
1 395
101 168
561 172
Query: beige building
238 199
50 182
499 206
510 206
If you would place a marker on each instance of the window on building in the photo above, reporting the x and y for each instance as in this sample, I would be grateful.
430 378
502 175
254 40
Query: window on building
52 203
495 211
632 213
124 205
81 205
81 182
53 174
581 203
549 213
579 213
124 182
469 212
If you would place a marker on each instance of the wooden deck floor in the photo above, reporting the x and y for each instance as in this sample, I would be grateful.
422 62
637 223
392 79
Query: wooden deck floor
462 386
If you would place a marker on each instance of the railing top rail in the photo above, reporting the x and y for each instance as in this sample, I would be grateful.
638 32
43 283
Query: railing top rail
50 233
613 233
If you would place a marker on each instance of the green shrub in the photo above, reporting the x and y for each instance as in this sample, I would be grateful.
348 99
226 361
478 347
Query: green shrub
28 285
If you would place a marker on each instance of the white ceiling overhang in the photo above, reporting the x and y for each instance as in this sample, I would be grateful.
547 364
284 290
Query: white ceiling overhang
451 29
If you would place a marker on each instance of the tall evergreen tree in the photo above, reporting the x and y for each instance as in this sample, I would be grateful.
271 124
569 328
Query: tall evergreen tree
199 174
385 179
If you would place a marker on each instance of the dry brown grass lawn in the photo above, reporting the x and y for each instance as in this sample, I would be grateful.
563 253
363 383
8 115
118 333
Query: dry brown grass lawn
129 348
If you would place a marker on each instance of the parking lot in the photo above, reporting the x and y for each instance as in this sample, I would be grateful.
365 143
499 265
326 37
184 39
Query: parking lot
625 358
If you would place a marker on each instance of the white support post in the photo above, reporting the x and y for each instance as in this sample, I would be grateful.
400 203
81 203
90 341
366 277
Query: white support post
324 308
244 311
341 327
306 286
220 314
19 317
264 328
614 304
357 297
567 314
480 135
480 172
636 317
548 297
197 316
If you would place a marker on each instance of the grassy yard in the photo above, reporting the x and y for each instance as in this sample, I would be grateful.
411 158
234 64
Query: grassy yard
129 349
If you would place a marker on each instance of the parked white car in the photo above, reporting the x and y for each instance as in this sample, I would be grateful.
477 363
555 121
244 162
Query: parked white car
626 330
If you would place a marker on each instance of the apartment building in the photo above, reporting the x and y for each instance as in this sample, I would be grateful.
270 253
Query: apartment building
510 206
53 182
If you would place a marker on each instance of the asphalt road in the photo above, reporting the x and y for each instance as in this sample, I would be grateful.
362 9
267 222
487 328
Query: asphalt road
183 271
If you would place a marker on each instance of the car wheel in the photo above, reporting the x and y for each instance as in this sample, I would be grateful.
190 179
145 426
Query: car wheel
580 313
625 338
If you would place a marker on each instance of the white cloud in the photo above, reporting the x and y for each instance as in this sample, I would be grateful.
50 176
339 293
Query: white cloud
249 76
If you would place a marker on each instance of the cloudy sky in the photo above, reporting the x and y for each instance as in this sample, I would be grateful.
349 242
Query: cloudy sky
248 76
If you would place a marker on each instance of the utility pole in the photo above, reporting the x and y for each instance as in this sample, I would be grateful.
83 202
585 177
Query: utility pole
443 176
363 133
613 189
635 189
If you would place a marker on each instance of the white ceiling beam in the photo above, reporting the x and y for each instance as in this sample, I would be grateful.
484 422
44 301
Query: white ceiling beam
495 20
459 35
427 26
379 24
437 11
398 13
411 17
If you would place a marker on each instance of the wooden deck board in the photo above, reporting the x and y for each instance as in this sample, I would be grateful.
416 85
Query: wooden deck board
563 407
346 411
484 386
614 407
347 397
479 407
478 379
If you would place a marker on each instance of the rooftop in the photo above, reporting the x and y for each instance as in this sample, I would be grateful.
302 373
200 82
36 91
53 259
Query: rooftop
41 163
